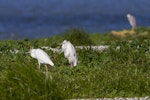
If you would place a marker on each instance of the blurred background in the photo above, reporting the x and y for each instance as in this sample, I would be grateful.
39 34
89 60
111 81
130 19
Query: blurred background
21 19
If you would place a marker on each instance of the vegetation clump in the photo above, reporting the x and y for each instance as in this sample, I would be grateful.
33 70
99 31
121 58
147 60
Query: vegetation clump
78 37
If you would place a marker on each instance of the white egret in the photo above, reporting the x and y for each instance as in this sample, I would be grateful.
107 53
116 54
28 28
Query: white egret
41 56
132 21
69 52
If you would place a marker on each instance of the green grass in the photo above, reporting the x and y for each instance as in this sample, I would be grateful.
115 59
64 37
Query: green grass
111 73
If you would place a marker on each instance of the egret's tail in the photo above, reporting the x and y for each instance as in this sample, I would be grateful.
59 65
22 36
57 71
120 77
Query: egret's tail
51 63
75 63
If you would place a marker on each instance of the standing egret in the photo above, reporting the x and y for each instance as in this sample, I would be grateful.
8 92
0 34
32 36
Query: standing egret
69 52
132 21
41 56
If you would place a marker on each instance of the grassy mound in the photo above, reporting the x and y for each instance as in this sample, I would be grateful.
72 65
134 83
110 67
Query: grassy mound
122 72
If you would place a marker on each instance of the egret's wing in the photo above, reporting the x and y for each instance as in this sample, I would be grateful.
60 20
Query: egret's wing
66 53
72 57
43 57
75 56
72 50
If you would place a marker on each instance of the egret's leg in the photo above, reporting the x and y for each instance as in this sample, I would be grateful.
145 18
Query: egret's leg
46 71
39 64
71 64
133 28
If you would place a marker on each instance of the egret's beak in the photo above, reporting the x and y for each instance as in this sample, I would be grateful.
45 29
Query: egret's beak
29 51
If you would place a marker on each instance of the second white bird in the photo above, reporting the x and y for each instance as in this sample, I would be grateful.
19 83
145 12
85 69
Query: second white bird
69 52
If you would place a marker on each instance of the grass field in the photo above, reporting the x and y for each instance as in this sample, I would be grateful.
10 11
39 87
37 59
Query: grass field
123 72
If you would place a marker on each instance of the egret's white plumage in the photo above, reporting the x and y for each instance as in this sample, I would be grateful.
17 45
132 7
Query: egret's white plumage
69 52
131 20
41 56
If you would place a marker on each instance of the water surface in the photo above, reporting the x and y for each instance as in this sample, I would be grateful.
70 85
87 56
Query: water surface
41 18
